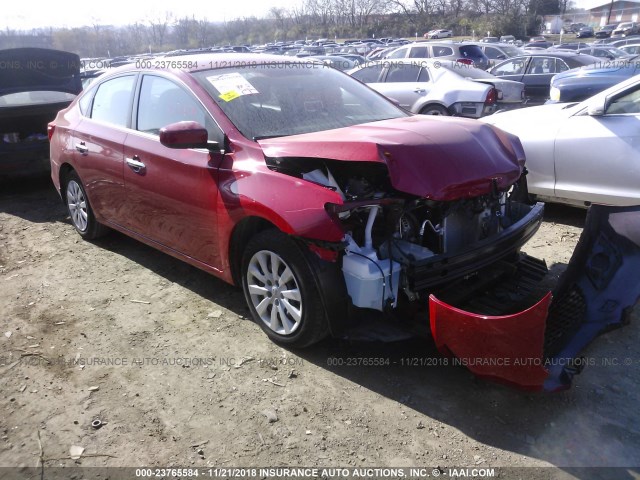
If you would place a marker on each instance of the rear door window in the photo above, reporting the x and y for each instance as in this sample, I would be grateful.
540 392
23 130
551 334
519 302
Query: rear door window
112 101
419 52
442 51
471 51
512 67
403 73
399 53
369 74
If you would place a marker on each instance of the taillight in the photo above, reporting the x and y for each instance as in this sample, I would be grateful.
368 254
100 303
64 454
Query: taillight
492 96
466 61
50 129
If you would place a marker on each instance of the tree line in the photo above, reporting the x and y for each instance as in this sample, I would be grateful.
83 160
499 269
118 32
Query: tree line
312 19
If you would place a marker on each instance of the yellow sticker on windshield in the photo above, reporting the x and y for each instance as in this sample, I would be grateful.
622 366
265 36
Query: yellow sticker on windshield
230 95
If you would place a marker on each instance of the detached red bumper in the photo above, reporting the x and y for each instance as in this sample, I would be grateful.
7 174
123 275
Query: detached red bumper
508 348
539 348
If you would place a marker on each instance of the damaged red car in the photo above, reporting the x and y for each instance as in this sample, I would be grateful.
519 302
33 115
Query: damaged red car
323 200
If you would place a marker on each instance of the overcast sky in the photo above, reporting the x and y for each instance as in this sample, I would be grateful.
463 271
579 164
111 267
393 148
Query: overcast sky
27 14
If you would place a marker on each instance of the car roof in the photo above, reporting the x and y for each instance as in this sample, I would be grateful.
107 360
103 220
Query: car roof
554 53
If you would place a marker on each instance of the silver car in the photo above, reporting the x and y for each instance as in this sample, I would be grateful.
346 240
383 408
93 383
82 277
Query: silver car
464 52
584 153
497 52
434 87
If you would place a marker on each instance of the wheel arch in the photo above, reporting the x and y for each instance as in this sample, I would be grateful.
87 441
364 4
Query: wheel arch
65 170
242 232
327 275
433 102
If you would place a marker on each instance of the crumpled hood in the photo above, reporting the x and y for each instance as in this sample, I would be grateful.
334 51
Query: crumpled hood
434 157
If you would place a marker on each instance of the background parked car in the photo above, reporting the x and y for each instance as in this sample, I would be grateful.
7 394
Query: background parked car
619 42
335 61
610 53
631 49
464 52
509 94
574 27
438 87
606 31
496 52
585 32
440 33
535 70
585 153
579 84
34 84
569 46
507 39
538 45
626 29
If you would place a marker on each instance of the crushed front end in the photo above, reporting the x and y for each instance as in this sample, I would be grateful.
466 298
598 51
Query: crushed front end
432 239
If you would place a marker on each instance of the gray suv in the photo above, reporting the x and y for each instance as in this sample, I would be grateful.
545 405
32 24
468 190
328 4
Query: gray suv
464 52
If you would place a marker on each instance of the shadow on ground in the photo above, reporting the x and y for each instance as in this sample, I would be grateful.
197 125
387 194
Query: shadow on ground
593 424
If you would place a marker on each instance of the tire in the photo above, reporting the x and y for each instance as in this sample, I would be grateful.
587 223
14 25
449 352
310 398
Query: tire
434 110
296 318
79 208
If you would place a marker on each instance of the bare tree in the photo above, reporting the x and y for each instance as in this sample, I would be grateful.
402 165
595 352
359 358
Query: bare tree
158 28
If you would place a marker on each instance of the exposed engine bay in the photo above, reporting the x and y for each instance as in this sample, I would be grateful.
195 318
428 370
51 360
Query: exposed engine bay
396 242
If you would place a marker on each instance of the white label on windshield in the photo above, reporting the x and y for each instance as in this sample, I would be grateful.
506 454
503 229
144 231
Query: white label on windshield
231 85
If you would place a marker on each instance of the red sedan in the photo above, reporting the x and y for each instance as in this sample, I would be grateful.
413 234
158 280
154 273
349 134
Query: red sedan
317 195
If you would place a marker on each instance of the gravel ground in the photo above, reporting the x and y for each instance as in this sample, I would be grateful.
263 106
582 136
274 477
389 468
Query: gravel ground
130 316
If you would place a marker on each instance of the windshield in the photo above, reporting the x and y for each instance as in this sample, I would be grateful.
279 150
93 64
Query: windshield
281 99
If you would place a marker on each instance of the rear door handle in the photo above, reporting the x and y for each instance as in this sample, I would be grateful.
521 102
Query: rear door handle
82 148
419 90
135 164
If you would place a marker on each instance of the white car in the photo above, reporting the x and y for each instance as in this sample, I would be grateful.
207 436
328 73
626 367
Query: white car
440 87
631 49
584 153
441 33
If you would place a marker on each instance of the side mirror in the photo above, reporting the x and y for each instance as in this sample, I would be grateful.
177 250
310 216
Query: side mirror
187 135
597 108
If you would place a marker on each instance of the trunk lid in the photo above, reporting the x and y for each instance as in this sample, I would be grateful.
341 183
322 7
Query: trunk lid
39 69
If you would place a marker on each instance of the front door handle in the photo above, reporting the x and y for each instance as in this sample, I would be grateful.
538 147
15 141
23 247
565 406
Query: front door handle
135 164
82 148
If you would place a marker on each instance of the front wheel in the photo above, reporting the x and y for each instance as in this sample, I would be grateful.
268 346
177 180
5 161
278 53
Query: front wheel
79 209
434 110
281 291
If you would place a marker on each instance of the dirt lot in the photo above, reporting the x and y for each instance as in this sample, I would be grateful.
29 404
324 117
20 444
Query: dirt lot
168 360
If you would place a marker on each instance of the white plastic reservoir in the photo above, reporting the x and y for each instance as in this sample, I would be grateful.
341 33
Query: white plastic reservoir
365 283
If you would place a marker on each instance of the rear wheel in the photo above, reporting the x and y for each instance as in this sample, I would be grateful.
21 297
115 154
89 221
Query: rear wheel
281 291
79 209
434 110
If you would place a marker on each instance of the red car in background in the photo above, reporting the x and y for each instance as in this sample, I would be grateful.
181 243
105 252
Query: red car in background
321 199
